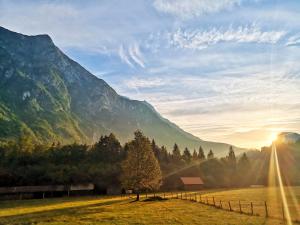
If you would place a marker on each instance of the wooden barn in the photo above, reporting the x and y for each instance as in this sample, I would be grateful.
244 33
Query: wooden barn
192 183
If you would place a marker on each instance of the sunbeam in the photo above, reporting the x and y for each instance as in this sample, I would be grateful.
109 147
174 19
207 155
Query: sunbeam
276 178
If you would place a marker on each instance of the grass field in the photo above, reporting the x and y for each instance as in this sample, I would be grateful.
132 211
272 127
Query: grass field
258 197
100 210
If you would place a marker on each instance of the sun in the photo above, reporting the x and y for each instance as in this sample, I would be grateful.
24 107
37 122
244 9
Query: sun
273 137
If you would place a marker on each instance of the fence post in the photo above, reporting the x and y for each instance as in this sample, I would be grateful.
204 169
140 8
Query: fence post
214 201
221 204
240 206
266 208
283 216
230 209
252 209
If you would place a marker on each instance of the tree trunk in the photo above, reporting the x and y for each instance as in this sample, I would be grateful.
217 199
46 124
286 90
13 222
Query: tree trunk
137 195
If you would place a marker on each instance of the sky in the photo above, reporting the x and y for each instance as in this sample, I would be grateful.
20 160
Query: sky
223 70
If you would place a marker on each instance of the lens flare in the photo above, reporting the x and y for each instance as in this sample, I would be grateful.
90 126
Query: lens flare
275 175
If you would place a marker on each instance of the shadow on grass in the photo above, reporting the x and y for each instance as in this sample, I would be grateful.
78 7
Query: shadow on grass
156 198
74 211
8 204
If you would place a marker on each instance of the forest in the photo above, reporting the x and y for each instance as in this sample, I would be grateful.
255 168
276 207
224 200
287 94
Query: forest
26 163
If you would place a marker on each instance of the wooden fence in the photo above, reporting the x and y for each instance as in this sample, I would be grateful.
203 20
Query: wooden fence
251 208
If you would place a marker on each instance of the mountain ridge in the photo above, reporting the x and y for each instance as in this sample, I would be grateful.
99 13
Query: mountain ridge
50 97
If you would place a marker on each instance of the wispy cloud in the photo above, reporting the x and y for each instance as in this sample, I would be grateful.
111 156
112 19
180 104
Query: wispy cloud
245 74
227 102
124 57
136 55
144 83
293 40
199 39
192 8
132 56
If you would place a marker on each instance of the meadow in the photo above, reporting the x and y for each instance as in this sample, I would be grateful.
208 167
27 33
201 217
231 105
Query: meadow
121 210
259 197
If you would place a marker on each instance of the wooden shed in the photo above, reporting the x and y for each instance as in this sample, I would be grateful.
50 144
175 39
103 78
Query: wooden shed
192 183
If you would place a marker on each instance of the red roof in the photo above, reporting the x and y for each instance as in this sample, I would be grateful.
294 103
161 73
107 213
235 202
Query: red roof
191 180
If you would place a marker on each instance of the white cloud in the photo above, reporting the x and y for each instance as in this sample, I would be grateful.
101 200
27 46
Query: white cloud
136 83
136 55
223 103
294 40
192 8
124 57
199 39
132 56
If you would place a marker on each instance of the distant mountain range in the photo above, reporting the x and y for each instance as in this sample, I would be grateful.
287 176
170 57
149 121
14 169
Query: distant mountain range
288 137
46 95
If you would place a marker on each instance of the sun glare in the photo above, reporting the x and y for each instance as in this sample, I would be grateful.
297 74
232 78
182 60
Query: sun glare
273 137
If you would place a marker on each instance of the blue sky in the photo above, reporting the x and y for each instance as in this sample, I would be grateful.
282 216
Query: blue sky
223 70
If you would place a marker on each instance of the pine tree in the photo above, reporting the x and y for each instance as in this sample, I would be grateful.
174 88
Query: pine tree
107 149
164 155
210 154
195 155
155 149
231 160
244 161
176 153
140 169
231 157
201 154
187 155
244 170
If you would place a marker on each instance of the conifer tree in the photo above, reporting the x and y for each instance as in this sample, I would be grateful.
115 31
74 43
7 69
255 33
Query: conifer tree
210 154
231 157
187 155
195 155
201 154
176 153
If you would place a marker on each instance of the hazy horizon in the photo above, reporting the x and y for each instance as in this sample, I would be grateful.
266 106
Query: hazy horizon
222 70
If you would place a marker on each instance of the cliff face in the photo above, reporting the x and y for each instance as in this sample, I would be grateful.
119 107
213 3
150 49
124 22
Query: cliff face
48 96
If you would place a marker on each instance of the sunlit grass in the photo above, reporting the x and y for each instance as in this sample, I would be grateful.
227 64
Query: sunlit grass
86 210
258 196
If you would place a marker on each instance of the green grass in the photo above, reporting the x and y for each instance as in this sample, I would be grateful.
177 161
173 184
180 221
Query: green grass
258 197
99 210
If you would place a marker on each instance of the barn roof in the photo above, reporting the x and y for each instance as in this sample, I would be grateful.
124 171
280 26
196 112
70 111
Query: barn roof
191 180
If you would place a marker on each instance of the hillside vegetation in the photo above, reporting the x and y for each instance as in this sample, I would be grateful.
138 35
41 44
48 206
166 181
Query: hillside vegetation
48 97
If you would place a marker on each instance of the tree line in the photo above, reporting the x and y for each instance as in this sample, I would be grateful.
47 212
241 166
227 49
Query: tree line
139 164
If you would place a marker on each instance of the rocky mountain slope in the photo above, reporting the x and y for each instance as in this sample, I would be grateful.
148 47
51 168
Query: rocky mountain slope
47 96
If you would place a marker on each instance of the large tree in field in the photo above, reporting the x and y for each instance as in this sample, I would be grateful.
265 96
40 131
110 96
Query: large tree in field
140 168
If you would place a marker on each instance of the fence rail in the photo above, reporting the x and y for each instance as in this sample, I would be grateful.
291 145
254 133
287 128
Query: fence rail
243 206
251 208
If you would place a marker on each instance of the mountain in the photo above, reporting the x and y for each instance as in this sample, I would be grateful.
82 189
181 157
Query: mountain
48 97
288 137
